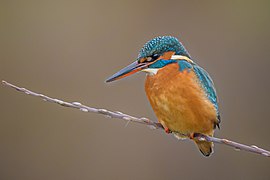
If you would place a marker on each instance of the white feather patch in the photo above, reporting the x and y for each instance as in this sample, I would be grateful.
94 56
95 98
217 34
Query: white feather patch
179 57
151 71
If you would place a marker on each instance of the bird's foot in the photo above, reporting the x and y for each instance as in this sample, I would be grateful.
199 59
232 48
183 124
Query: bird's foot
167 130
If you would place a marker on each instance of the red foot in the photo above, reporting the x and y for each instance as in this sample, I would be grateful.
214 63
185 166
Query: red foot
167 130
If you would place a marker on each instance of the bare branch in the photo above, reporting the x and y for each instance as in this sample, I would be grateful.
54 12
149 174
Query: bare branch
142 120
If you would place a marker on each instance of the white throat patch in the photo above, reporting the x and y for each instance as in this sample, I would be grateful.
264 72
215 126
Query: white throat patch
151 71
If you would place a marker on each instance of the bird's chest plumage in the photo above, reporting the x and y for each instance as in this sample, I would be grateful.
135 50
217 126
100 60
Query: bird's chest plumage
179 102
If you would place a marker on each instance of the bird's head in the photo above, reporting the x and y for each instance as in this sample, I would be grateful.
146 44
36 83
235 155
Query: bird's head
159 49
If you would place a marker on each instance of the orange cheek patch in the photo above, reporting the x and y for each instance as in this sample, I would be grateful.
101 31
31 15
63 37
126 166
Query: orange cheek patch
142 60
167 55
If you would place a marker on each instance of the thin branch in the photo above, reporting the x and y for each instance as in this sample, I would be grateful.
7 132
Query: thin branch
142 120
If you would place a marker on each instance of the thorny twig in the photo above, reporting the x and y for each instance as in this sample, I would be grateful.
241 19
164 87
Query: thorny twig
128 118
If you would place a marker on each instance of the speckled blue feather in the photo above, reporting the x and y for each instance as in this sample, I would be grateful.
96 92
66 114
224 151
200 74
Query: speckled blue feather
162 44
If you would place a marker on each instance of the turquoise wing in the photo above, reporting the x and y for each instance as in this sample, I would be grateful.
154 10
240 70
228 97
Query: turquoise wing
208 86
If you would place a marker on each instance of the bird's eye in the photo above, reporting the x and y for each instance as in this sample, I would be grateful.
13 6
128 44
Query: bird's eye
155 56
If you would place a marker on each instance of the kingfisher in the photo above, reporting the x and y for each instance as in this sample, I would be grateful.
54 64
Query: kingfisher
181 93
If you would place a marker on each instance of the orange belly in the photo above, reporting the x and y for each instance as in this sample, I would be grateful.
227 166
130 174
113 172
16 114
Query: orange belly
179 101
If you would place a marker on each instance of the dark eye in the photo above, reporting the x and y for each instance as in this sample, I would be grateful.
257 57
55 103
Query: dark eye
155 56
152 58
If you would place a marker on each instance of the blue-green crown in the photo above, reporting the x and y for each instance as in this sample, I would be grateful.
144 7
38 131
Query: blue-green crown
162 44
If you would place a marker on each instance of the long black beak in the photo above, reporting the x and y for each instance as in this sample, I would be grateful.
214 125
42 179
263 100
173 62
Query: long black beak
127 71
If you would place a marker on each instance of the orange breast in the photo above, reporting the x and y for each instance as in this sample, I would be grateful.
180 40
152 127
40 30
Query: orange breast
179 101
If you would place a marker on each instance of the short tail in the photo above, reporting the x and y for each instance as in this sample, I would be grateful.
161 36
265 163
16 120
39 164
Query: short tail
206 148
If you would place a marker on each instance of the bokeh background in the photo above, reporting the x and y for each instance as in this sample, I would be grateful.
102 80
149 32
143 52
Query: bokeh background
66 49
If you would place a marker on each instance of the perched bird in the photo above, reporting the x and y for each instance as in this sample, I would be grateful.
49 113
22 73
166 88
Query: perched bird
181 93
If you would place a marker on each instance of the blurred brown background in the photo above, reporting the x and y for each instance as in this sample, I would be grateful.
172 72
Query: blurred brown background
66 49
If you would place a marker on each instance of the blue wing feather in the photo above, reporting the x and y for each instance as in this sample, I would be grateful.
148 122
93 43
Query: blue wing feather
207 84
